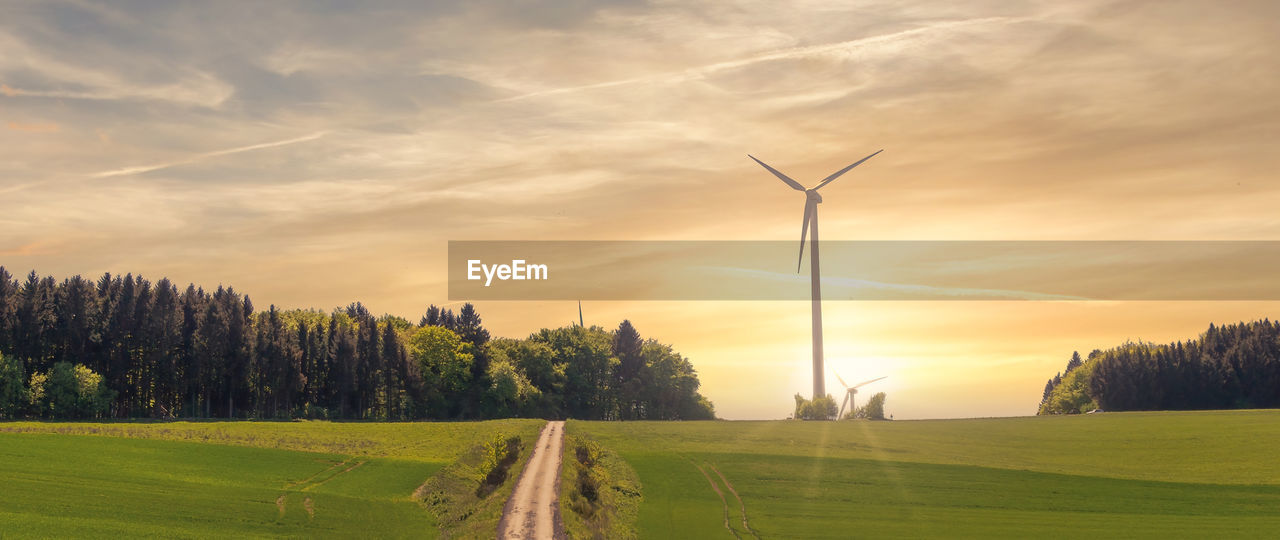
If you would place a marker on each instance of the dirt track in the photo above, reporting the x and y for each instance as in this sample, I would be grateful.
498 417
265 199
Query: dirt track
533 512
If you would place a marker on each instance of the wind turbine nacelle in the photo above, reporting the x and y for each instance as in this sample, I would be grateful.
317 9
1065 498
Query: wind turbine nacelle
813 195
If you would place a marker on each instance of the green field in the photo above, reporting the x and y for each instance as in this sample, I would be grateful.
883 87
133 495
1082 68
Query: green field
1193 474
241 479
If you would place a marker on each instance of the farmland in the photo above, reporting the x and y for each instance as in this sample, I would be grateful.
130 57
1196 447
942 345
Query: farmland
1132 474
244 479
1177 474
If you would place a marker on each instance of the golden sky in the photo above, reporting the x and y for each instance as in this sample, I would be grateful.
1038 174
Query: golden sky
314 156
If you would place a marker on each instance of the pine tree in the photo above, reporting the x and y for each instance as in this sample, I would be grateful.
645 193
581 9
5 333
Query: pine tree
627 347
343 367
431 318
76 301
468 327
191 362
1075 362
8 307
392 371
163 335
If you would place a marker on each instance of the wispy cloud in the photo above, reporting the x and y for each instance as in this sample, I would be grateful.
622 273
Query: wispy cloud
51 76
898 40
26 250
33 127
139 169
837 287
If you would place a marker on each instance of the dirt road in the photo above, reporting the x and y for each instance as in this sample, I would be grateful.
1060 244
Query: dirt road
533 512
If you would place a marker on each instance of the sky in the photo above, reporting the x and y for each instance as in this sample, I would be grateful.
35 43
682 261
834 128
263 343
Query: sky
313 154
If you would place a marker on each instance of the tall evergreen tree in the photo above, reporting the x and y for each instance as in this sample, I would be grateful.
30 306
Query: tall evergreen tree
469 328
627 347
1075 362
163 336
431 318
8 306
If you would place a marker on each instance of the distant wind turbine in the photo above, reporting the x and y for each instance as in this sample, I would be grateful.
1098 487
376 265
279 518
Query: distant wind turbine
815 280
850 394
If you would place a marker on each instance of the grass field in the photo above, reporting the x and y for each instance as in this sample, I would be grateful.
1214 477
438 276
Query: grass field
1188 474
1191 474
239 479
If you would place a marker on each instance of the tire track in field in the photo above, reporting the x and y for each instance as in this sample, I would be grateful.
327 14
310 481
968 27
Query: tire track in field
723 502
308 483
326 480
741 504
304 481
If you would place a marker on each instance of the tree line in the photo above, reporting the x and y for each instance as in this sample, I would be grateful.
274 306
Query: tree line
123 347
1236 366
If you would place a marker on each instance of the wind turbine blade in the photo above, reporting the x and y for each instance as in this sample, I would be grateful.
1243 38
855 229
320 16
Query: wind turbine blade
794 184
804 231
837 174
868 382
842 383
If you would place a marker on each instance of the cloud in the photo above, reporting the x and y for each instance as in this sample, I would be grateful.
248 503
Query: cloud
139 169
867 289
36 70
33 127
26 250
633 117
892 41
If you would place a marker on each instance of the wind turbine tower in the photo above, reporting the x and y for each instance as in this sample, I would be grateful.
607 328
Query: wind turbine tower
810 227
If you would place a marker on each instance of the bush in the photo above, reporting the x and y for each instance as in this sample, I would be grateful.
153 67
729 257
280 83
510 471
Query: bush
498 455
459 496
873 410
69 391
312 411
823 408
604 499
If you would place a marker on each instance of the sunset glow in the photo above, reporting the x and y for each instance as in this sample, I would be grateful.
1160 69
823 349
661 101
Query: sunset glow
316 157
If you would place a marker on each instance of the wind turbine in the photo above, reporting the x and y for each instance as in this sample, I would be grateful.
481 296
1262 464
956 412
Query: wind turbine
815 280
850 393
